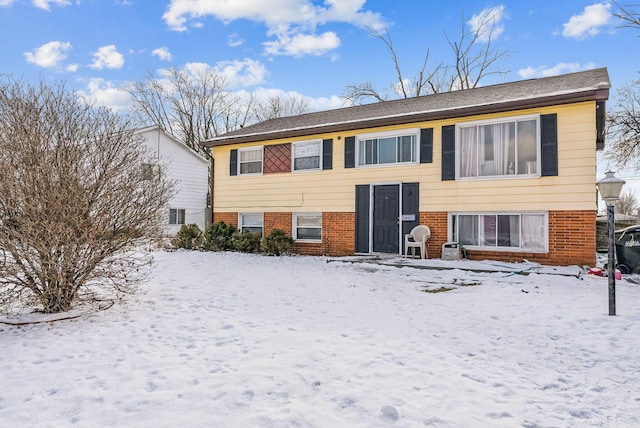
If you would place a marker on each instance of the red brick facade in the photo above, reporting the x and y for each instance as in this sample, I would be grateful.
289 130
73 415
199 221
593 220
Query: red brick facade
572 236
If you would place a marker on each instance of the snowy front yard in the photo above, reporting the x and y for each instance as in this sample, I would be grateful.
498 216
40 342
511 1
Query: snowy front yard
236 340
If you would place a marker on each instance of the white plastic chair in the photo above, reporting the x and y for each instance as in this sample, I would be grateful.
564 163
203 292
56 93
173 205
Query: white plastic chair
417 239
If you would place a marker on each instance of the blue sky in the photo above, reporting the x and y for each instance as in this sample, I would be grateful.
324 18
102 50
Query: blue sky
310 47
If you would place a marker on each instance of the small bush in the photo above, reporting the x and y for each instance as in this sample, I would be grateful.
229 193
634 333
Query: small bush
246 242
218 237
276 243
188 237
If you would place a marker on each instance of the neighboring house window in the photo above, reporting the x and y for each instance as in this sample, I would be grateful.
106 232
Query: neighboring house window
176 216
387 148
526 231
498 148
150 171
307 227
251 222
307 155
250 161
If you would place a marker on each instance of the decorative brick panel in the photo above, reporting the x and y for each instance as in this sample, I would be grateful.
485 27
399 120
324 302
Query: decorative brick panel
277 158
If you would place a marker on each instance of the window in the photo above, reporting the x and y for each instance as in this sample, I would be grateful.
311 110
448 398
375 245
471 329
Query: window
387 148
176 216
250 160
307 155
495 231
498 148
150 171
307 227
251 222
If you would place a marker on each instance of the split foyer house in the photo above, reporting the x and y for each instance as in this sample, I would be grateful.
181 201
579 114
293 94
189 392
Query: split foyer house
507 170
188 170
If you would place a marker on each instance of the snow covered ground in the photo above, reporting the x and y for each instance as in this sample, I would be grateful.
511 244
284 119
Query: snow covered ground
237 340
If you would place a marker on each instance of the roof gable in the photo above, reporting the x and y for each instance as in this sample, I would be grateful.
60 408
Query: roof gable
575 87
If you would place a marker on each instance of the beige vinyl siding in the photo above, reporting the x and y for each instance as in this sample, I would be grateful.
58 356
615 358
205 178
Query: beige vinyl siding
334 190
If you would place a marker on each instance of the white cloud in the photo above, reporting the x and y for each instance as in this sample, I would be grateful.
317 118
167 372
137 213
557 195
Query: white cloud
303 44
162 53
236 74
483 22
106 94
48 55
589 22
560 68
107 57
292 22
234 40
7 2
243 73
44 4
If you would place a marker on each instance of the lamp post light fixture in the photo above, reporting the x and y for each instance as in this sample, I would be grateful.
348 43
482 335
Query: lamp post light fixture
609 188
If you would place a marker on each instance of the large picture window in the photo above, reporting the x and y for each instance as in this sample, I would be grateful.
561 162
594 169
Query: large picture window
251 222
307 155
526 231
250 161
498 148
307 227
386 148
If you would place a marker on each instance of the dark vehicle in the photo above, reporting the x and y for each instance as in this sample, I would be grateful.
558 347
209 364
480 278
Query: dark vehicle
628 249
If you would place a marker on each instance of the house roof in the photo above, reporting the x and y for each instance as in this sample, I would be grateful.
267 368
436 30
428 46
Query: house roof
568 88
158 128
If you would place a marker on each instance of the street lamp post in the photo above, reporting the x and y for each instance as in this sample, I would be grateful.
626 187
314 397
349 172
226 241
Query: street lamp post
610 187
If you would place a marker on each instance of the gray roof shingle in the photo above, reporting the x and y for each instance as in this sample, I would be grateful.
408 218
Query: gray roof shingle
567 88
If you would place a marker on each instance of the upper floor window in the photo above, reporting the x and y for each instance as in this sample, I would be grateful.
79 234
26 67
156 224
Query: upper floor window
307 155
250 160
498 148
387 148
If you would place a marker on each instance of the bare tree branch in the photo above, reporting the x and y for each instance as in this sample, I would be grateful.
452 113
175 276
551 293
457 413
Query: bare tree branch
475 58
74 204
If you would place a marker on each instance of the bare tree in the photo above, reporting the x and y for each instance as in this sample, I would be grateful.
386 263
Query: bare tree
629 15
474 58
627 204
623 127
74 199
623 121
193 105
280 106
197 104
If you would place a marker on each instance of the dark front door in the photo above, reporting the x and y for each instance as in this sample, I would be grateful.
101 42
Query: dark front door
386 212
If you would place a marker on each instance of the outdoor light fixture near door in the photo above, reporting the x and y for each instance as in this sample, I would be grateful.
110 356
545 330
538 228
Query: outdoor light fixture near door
609 188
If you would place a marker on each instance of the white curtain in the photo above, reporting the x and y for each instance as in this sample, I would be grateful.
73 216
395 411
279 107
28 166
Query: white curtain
501 135
533 231
469 152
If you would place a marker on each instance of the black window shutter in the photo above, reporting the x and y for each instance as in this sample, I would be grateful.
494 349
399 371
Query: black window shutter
601 117
350 152
327 154
233 162
426 145
362 218
448 152
549 144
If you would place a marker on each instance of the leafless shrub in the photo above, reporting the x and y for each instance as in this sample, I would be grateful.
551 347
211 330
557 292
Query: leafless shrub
74 202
